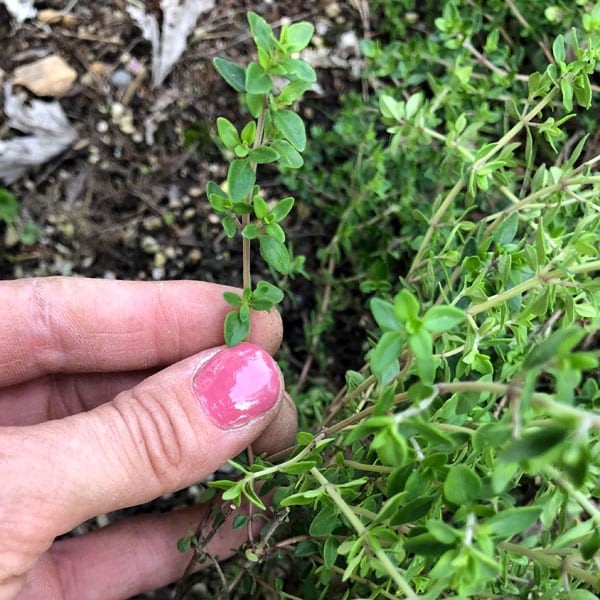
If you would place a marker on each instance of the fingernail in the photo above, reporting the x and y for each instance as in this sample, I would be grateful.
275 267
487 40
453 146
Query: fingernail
237 385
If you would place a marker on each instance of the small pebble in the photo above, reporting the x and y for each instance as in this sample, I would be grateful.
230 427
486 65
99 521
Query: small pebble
160 259
149 245
194 256
117 110
189 213
158 273
152 223
120 78
11 237
175 203
102 127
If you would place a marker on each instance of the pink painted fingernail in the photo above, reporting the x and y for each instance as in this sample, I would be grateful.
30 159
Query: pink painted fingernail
237 385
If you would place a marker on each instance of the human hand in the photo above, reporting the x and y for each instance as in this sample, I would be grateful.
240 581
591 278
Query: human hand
88 425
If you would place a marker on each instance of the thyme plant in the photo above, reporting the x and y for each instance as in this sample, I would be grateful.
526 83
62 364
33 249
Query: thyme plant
276 135
463 459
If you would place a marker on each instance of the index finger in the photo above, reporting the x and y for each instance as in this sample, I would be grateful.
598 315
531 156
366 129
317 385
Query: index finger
69 325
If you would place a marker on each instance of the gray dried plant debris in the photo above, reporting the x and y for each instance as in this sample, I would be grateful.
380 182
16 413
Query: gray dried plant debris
48 134
20 9
169 41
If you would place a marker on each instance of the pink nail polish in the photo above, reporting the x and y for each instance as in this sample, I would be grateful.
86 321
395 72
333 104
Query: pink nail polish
237 384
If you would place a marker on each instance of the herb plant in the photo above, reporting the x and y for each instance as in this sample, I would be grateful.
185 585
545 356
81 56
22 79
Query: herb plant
275 135
463 459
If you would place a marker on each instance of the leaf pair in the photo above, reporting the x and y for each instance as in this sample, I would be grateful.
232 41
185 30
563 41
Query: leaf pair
402 325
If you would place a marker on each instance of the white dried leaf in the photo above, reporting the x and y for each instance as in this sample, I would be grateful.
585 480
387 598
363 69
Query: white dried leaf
20 9
179 20
50 133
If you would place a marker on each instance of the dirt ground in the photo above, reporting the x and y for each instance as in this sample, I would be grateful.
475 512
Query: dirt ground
126 199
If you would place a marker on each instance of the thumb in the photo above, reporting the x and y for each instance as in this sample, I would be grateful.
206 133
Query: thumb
171 430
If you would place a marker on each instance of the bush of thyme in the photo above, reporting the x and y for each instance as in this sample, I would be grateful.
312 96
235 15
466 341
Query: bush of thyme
463 459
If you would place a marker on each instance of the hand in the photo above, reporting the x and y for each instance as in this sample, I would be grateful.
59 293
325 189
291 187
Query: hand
89 424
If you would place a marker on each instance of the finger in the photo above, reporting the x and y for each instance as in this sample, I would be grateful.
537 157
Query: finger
61 324
281 432
57 396
171 430
127 558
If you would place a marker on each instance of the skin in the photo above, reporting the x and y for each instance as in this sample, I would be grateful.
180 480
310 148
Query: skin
97 413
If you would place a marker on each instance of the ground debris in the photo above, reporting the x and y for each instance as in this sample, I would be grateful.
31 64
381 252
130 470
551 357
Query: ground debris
49 76
50 133
178 23
21 10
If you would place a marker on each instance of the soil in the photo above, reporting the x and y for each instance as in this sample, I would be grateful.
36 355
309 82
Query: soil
126 200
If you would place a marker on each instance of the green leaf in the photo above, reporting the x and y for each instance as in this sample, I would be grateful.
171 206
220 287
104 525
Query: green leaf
229 226
241 208
249 133
255 103
282 209
292 91
386 353
583 90
232 492
581 595
275 254
299 468
390 446
534 443
261 32
295 68
291 126
590 546
261 208
217 197
232 299
9 206
240 521
513 521
406 306
442 318
384 315
425 544
556 345
273 230
240 179
184 544
288 156
251 495
462 485
324 522
235 330
263 155
296 37
413 511
228 133
330 552
558 49
257 80
251 231
422 347
491 435
233 74
266 294
442 532
506 231
566 88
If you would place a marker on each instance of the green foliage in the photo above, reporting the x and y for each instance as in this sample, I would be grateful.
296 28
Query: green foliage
276 135
463 459
9 207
